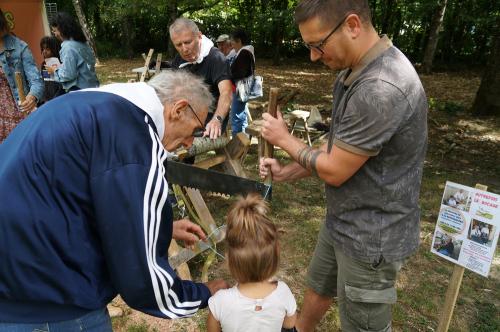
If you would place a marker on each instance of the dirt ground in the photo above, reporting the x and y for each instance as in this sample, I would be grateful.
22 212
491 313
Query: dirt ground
462 148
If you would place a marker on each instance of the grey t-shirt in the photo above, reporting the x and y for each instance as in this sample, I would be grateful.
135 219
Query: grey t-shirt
379 110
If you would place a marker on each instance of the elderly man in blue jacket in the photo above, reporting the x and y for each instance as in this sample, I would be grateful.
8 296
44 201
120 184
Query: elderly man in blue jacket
83 212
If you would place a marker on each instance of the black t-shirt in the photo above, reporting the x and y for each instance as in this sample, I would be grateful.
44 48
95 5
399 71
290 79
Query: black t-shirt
243 65
213 69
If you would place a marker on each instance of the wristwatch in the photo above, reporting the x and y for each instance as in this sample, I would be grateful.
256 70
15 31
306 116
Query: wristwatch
218 117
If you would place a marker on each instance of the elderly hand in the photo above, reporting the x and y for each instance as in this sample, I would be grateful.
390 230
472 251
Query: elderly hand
187 231
29 104
213 128
274 129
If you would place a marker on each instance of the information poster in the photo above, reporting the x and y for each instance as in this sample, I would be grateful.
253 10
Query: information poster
467 227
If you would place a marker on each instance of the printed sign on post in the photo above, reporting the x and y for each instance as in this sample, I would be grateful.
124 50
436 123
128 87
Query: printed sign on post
467 227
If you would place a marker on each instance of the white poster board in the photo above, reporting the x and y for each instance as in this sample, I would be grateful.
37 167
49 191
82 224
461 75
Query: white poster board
467 227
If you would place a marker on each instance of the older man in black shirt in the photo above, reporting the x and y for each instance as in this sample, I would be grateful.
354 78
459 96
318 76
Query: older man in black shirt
197 54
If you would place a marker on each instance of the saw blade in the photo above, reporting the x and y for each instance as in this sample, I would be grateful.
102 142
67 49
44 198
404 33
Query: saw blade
207 180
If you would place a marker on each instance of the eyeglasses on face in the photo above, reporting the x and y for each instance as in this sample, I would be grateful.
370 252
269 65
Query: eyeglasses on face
319 46
197 132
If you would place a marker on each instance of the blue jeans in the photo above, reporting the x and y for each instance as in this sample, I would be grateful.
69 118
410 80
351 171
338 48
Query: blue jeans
238 115
444 252
95 321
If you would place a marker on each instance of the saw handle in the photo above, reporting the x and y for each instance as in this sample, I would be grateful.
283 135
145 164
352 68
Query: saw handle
272 109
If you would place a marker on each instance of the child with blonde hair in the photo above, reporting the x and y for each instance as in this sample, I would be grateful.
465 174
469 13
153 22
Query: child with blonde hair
255 303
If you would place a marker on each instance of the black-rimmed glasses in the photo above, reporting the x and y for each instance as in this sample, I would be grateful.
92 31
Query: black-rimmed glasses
318 46
197 132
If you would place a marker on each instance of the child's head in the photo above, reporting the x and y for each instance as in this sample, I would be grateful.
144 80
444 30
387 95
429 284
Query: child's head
252 241
50 47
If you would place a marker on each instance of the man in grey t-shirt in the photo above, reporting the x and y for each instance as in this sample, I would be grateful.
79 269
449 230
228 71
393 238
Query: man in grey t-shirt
371 165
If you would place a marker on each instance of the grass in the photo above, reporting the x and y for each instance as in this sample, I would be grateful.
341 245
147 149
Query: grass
462 148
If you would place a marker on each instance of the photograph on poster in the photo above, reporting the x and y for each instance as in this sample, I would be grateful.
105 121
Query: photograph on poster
481 232
457 198
447 245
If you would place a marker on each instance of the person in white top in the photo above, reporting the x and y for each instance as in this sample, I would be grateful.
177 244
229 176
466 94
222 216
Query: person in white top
476 234
256 303
485 233
452 201
460 196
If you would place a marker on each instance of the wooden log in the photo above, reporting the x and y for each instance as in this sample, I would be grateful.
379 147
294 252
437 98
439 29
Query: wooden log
452 291
202 145
211 162
238 146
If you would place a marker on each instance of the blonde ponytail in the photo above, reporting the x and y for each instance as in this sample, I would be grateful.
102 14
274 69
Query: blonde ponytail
252 240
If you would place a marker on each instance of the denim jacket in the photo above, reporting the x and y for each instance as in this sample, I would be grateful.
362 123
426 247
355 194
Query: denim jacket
78 66
17 57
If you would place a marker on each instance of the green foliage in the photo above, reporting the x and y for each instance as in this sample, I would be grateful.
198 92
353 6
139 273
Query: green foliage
124 27
449 107
487 317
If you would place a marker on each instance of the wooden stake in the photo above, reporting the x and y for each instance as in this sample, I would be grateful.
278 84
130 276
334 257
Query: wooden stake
183 269
145 73
158 63
452 291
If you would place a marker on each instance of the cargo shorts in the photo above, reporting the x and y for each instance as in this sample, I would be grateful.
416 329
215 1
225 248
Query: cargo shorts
364 291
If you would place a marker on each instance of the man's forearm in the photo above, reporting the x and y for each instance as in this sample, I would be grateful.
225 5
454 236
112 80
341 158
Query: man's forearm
292 172
223 104
302 154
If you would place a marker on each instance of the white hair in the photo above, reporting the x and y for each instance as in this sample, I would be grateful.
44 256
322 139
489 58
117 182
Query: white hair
182 24
173 85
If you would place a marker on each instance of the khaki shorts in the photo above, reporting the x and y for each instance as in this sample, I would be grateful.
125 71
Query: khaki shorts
365 291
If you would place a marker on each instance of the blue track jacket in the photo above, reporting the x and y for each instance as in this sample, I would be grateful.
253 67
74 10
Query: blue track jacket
84 216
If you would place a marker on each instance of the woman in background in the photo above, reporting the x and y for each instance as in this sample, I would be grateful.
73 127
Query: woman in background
77 70
242 66
50 47
15 56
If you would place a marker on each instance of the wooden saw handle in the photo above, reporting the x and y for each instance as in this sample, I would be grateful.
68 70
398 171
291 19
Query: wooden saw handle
272 109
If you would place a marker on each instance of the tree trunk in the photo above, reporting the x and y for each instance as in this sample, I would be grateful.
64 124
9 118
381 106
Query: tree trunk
397 25
373 8
128 35
279 31
432 42
386 21
86 32
487 100
172 16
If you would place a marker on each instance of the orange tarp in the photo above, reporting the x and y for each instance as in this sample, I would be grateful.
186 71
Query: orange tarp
27 20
